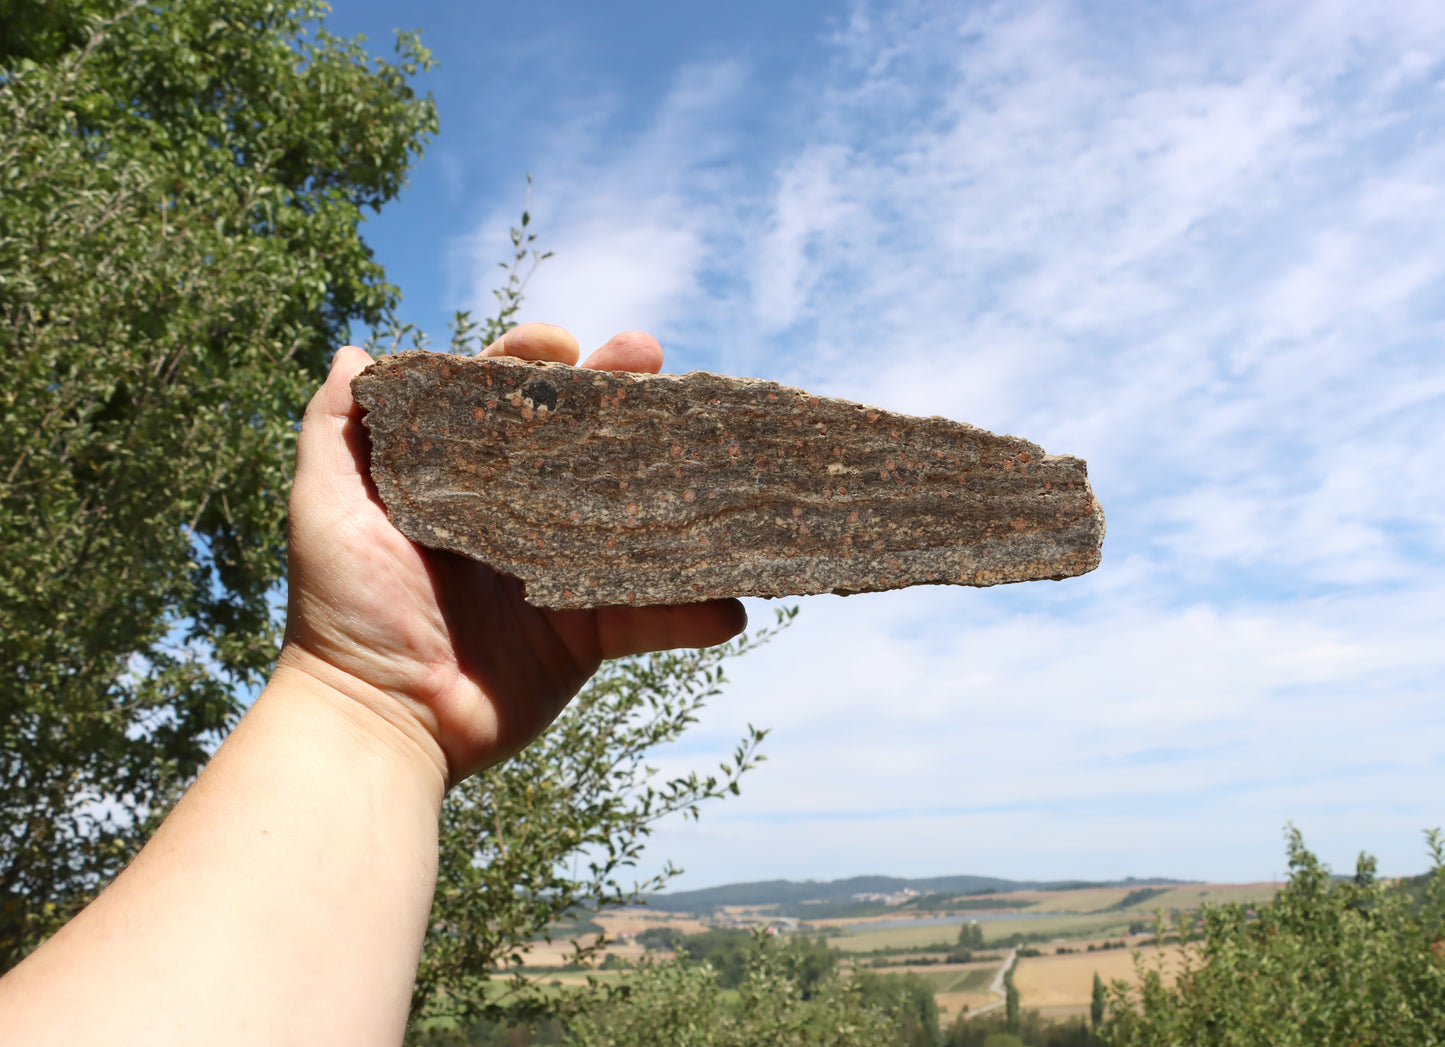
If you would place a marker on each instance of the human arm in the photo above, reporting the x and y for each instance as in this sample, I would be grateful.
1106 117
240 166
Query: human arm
286 897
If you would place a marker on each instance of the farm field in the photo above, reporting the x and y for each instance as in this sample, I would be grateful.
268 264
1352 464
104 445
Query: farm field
1182 896
952 977
634 919
956 986
1078 913
1070 925
945 934
616 923
1056 983
1051 983
560 952
1192 896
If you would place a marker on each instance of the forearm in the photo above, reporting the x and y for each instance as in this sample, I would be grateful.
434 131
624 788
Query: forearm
283 900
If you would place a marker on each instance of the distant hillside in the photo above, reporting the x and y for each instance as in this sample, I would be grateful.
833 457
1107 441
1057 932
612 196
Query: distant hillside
790 892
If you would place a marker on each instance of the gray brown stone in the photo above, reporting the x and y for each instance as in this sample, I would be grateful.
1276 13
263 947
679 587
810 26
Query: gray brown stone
600 488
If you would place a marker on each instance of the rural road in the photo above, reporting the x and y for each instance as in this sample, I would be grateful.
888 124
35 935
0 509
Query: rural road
996 986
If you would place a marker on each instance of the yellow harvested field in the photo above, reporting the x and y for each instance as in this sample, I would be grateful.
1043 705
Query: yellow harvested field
944 935
632 920
1088 899
1068 980
950 1004
560 952
617 922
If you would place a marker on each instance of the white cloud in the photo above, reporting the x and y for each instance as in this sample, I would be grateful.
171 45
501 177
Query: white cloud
1201 249
616 273
1176 742
626 214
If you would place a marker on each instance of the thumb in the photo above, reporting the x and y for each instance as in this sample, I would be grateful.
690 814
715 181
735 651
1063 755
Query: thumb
334 396
331 451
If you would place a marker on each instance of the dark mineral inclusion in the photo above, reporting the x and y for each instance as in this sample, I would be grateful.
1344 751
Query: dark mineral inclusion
599 488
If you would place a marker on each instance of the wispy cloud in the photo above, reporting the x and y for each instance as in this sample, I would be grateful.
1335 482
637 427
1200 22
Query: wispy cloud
631 216
1198 246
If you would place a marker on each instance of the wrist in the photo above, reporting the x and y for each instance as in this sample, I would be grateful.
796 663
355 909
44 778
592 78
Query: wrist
383 722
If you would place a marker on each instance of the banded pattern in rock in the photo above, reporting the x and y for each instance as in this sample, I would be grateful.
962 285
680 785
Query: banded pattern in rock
599 488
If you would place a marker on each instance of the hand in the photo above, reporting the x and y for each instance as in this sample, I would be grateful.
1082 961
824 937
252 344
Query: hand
441 647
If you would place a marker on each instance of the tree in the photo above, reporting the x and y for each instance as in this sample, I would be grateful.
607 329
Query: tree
1326 963
1097 1003
726 950
988 1030
683 1003
181 191
1011 999
583 794
909 1002
660 938
970 938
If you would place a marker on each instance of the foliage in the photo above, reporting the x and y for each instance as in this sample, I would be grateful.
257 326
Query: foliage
545 1032
726 950
908 1000
989 1030
970 939
1354 962
1098 1002
730 950
660 938
181 191
1011 998
512 837
682 1003
558 826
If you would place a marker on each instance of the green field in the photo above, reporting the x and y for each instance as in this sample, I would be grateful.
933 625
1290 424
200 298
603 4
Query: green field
1091 899
974 979
1185 896
1191 897
944 935
1064 925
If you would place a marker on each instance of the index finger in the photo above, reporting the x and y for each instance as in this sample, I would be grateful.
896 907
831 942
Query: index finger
635 351
536 341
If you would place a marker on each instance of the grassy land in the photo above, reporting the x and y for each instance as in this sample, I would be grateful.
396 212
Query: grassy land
970 979
1186 896
1064 925
944 935
1192 896
1087 900
1068 981
939 935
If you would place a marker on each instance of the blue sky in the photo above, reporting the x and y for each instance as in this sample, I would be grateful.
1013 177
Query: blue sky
1198 245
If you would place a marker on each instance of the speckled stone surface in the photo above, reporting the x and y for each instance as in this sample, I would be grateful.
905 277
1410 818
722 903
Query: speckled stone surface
599 488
